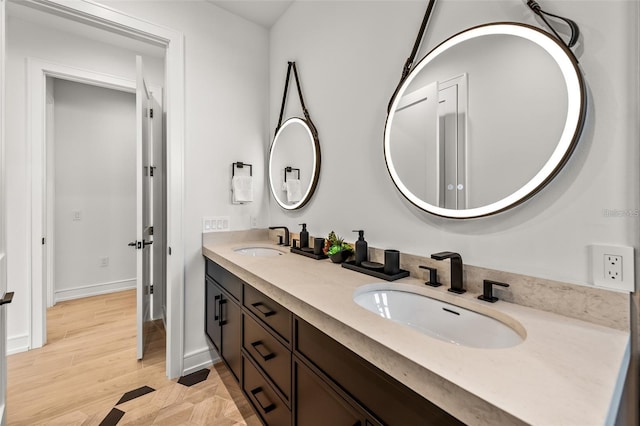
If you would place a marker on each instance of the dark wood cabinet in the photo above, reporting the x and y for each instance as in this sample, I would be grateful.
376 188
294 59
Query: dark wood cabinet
231 317
223 323
293 373
273 315
269 406
270 355
385 397
213 295
317 403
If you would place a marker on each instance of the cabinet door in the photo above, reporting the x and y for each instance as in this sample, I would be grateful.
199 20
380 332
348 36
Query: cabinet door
213 297
317 404
231 334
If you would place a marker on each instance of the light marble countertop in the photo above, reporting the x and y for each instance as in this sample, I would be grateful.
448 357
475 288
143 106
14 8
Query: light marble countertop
565 372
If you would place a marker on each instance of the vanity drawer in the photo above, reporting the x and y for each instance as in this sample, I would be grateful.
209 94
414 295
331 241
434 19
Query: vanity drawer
271 409
268 311
271 355
226 279
385 397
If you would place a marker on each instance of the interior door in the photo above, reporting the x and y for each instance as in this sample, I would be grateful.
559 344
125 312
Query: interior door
3 215
158 208
144 229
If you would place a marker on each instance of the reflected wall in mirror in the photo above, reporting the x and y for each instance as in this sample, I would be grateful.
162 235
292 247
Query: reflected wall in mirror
294 164
484 121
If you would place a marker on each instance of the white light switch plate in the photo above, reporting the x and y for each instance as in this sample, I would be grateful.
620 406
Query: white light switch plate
613 267
216 224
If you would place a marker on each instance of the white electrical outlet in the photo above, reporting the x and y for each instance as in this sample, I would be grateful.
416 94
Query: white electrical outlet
612 267
254 222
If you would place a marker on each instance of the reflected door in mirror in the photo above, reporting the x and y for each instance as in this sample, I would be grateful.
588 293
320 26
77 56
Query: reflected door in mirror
484 120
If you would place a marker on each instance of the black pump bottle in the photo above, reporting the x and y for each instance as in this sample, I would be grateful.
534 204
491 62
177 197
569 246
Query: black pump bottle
362 248
304 236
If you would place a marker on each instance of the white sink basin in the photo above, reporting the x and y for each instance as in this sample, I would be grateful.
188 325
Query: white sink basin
437 319
259 251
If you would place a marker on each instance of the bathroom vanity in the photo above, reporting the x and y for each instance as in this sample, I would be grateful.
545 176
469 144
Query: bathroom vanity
305 353
294 373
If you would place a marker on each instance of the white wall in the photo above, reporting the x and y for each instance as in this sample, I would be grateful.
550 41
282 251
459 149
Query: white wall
94 164
26 39
226 77
350 55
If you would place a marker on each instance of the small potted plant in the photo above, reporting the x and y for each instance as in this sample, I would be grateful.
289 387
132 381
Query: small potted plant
337 250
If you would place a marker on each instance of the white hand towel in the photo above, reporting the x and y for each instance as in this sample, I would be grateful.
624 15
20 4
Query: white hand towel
294 190
242 188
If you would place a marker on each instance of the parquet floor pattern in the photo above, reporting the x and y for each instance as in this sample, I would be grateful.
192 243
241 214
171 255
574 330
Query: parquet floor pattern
89 362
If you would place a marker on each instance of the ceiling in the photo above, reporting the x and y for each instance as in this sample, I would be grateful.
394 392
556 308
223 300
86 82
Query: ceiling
25 12
261 12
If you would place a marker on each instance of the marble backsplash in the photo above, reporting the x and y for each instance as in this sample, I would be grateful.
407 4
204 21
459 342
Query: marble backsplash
587 303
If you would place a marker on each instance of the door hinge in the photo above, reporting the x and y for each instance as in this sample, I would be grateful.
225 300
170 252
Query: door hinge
151 289
43 240
148 170
150 112
169 251
151 168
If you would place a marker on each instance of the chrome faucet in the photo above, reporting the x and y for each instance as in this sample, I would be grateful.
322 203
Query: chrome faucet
456 269
286 234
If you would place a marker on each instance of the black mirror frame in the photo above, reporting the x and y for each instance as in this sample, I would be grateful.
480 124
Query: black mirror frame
316 169
500 205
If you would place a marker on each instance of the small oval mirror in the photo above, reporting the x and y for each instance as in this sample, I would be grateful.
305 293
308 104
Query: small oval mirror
484 121
294 163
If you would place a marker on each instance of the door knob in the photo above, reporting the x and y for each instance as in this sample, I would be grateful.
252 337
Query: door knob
136 244
146 243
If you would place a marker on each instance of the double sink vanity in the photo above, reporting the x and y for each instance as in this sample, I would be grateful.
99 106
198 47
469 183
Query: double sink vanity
312 343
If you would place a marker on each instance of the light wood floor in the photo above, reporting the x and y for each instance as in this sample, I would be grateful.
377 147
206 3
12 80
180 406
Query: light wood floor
90 361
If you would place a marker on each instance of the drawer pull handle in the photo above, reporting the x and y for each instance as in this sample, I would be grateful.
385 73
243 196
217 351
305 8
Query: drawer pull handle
265 357
269 406
215 307
221 322
264 311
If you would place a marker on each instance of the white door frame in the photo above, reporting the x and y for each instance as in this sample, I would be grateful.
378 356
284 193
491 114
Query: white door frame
103 17
3 215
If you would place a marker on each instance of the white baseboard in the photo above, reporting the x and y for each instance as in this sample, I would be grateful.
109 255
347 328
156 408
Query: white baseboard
17 344
199 359
93 290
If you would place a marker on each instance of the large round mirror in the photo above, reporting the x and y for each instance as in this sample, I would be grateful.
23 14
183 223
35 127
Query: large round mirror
294 163
484 121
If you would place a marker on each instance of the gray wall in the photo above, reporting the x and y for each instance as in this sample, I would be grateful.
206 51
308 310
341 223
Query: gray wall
349 56
95 159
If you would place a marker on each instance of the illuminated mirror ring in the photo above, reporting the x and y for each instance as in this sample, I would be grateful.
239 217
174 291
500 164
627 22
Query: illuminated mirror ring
568 129
294 163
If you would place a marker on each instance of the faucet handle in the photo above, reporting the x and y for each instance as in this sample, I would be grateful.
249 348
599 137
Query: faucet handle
487 291
433 276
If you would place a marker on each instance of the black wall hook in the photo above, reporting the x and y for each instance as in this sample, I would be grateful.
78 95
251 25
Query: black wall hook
575 31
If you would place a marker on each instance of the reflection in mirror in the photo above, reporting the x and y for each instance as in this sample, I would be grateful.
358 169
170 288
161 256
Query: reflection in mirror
294 164
484 120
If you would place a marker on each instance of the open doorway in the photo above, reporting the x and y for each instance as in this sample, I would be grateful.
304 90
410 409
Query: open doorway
90 191
75 52
91 195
